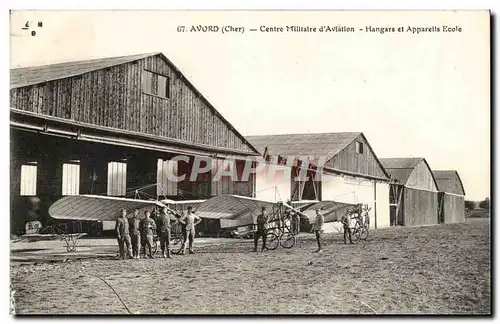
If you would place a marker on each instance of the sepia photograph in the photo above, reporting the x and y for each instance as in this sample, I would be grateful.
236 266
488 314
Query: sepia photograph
250 162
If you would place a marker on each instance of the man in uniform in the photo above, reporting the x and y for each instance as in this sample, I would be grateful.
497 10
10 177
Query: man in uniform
345 220
261 230
164 221
123 235
148 226
135 233
295 222
318 227
190 219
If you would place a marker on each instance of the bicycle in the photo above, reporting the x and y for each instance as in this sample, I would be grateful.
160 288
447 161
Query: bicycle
361 227
280 235
176 240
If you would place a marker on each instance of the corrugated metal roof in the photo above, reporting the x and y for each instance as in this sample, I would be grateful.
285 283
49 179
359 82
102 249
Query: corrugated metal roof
27 76
445 180
400 163
311 144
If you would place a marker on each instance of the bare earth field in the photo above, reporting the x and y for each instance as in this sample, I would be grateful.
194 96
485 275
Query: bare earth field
442 269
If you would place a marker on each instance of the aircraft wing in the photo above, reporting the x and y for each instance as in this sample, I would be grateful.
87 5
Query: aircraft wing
98 208
303 204
332 210
181 205
45 237
232 210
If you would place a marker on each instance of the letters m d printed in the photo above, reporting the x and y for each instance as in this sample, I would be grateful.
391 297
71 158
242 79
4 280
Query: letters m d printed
300 168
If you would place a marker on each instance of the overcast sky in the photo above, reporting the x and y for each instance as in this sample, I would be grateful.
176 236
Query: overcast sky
422 95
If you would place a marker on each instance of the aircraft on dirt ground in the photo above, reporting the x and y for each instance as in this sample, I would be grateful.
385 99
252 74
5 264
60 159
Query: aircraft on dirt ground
233 213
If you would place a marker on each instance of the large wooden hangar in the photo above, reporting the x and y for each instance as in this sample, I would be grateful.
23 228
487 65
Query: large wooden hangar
414 192
451 196
109 126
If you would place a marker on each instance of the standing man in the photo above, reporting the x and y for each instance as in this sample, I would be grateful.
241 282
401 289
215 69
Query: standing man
190 220
318 228
135 230
345 220
296 222
261 230
148 226
164 221
123 235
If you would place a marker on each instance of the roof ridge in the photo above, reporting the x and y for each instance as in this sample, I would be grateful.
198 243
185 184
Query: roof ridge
320 133
88 60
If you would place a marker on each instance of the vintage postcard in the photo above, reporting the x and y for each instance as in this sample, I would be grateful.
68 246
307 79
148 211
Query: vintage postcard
250 162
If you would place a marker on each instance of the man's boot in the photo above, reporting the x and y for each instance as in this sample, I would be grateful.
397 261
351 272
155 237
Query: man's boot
168 254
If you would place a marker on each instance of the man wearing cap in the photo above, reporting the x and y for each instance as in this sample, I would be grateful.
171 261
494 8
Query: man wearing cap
318 227
164 221
135 232
123 235
148 226
190 219
261 230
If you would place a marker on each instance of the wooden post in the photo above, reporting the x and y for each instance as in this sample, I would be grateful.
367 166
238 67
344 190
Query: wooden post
375 201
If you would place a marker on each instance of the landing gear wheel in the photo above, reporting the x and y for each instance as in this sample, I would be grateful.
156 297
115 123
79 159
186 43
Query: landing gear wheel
287 240
272 241
70 244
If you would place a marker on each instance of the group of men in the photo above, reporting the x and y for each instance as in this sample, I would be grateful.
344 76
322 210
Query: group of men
134 233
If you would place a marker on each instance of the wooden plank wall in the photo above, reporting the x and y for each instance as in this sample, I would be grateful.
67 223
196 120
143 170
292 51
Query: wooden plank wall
453 208
113 97
349 160
420 207
422 178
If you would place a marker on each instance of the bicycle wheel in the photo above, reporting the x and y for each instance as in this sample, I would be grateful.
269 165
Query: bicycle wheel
272 241
364 233
356 232
287 240
176 239
176 243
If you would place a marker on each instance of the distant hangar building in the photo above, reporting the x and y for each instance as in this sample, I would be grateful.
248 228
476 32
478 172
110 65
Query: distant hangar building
352 172
451 196
413 193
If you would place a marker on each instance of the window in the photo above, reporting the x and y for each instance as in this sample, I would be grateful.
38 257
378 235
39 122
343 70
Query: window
28 180
359 147
117 178
155 84
71 179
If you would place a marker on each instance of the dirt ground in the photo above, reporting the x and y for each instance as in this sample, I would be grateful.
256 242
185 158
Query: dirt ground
442 269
